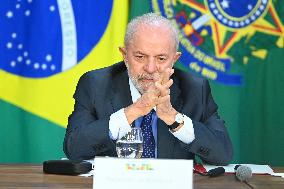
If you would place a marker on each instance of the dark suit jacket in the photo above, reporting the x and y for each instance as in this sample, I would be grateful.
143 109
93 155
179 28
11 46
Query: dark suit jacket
102 92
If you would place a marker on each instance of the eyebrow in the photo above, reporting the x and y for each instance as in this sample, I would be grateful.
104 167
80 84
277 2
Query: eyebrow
139 52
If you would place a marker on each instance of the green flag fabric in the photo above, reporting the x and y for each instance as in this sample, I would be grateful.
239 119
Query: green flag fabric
238 46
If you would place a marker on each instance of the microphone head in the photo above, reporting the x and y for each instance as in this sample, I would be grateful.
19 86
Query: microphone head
243 173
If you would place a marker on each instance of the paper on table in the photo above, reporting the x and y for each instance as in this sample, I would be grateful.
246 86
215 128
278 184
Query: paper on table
256 169
142 173
278 174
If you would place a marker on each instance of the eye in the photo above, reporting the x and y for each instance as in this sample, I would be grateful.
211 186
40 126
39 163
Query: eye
162 59
139 56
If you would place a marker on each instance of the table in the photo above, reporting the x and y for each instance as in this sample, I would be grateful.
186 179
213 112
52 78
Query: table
24 176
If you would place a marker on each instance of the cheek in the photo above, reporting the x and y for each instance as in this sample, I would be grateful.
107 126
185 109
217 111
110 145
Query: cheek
135 69
165 65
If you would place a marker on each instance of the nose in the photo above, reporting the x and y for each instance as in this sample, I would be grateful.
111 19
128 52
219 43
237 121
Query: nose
151 66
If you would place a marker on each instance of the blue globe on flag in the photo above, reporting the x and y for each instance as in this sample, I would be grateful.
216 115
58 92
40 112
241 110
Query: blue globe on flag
237 14
41 39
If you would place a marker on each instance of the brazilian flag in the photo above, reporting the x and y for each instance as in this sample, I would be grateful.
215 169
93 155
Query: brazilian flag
45 46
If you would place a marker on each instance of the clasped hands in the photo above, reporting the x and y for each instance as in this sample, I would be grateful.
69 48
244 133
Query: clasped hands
158 95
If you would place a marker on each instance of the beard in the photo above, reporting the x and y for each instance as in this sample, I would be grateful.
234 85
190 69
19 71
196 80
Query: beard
139 81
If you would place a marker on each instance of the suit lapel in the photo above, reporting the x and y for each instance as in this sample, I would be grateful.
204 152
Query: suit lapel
121 96
166 141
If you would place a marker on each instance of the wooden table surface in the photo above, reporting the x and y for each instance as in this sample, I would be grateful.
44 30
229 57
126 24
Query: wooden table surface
23 176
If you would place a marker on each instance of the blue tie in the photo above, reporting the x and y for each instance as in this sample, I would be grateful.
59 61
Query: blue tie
148 138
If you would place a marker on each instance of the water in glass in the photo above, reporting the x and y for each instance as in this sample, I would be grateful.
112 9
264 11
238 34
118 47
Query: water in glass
130 145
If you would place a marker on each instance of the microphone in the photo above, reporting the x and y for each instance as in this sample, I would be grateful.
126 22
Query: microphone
243 173
216 172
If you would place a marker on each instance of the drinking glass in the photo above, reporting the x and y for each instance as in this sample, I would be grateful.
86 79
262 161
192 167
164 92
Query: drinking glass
130 145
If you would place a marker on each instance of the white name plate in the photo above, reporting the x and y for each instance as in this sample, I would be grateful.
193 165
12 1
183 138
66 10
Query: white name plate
122 173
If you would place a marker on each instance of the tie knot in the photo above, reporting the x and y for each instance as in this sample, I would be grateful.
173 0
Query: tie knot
150 113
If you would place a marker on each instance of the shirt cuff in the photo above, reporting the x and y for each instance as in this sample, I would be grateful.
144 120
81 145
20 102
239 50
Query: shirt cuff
186 132
118 124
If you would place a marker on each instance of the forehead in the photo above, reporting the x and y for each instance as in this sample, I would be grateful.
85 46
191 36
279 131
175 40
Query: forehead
157 39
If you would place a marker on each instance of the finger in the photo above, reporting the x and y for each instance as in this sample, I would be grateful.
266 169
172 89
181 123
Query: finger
153 90
150 99
164 89
168 84
163 76
170 72
146 105
165 99
166 75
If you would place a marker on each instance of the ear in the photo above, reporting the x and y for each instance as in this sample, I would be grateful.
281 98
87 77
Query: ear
176 57
123 52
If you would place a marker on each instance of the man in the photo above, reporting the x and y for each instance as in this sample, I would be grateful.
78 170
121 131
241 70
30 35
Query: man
181 113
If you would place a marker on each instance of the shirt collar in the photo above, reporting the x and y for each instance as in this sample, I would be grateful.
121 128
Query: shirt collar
134 92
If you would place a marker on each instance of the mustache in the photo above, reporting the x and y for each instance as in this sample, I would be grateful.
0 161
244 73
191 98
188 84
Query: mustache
154 76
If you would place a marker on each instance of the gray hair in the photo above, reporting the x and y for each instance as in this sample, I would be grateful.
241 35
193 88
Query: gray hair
151 19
